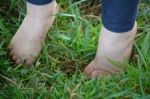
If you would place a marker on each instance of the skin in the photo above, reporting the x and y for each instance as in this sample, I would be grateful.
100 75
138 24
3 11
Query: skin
116 47
26 44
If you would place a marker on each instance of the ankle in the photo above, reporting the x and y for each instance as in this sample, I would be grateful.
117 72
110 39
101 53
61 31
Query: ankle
42 11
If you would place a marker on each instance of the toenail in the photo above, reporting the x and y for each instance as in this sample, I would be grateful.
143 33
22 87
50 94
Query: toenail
14 58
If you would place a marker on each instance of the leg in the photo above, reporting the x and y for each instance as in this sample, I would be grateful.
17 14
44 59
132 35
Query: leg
116 37
28 40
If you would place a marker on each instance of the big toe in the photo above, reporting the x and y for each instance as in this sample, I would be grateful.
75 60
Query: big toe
89 69
14 57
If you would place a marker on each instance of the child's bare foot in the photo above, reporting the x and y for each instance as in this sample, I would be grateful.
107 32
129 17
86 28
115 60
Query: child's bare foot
28 41
114 47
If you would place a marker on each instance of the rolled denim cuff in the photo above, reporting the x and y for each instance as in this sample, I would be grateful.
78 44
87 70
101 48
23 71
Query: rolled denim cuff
40 2
118 26
119 15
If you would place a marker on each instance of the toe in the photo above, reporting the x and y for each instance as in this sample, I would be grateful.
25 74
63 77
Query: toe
14 57
88 70
98 73
29 61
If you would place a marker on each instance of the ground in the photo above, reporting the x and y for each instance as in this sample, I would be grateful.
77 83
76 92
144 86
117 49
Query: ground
70 45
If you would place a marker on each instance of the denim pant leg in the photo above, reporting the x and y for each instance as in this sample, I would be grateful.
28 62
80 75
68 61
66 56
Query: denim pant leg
40 2
119 15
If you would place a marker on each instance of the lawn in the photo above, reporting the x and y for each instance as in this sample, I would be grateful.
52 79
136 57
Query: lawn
70 45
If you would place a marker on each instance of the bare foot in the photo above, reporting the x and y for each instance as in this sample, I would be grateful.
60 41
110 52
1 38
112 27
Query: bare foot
26 44
113 47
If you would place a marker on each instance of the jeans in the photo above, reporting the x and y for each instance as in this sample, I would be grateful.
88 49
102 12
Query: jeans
39 2
117 15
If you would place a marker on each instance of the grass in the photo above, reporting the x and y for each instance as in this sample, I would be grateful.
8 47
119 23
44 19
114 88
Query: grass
70 45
